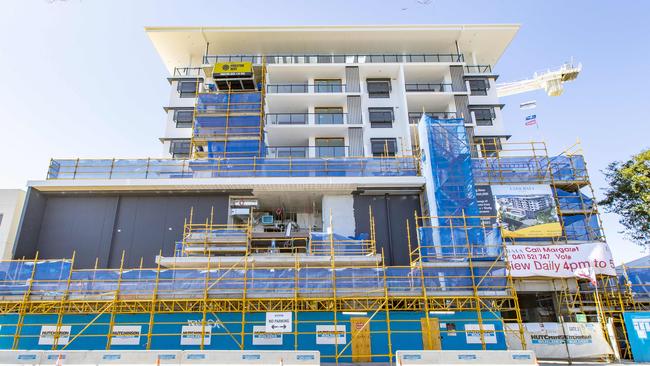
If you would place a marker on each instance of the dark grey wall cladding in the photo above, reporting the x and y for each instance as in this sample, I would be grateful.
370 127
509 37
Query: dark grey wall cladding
390 213
103 225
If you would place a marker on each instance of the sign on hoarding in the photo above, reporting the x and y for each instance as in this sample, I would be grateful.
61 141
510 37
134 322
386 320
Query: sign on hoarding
191 335
279 322
262 337
329 334
126 335
473 334
561 261
553 340
48 334
523 210
637 325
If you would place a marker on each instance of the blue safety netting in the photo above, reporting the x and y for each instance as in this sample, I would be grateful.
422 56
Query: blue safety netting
454 191
573 201
451 165
582 227
53 280
231 123
637 281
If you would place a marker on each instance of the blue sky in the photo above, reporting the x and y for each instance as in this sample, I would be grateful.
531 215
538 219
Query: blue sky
81 79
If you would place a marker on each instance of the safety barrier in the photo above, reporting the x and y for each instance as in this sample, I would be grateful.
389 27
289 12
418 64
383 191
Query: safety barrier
132 357
466 358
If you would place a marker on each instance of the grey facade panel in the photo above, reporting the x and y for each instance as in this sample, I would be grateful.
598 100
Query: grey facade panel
390 213
355 140
352 79
104 225
29 226
457 80
354 110
462 109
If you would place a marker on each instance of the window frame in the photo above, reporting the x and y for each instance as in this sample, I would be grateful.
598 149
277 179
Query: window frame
481 121
180 155
329 84
479 91
392 141
336 115
385 123
336 154
383 94
181 124
187 94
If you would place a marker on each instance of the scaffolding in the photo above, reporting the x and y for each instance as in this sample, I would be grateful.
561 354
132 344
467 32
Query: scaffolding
397 305
230 122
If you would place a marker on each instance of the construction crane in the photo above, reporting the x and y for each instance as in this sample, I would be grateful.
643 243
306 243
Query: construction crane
551 80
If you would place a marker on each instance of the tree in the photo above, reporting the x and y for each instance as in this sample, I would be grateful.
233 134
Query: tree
629 195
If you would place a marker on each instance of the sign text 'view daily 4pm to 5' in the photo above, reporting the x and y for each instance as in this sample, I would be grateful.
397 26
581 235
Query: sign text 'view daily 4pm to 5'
561 261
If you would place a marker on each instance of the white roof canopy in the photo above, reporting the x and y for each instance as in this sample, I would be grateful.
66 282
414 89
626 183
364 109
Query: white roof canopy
185 46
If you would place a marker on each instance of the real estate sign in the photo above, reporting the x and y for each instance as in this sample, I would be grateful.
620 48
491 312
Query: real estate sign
524 210
561 261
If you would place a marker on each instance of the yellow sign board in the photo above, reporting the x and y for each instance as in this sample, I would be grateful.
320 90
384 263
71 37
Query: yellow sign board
230 69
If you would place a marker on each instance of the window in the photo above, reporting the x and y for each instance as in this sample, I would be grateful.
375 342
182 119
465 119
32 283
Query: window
378 88
188 89
179 149
484 116
330 147
329 115
383 147
1 219
479 87
328 86
381 117
184 118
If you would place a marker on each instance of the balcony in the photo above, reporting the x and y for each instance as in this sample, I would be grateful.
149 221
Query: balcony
336 59
306 118
307 151
188 72
76 169
305 88
478 69
429 87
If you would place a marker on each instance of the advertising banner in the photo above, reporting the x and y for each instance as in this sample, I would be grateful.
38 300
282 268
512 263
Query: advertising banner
637 325
262 338
524 211
560 341
230 69
191 335
327 334
561 261
48 333
473 334
123 335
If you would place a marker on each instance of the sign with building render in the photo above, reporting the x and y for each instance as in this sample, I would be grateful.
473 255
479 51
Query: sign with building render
560 340
523 210
561 261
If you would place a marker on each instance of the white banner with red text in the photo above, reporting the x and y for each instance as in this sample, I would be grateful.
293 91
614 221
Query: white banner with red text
561 261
